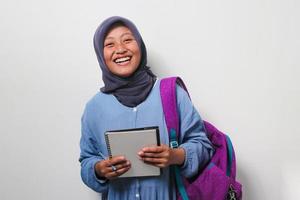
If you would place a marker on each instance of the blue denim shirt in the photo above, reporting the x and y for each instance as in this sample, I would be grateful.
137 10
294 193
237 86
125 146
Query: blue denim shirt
104 112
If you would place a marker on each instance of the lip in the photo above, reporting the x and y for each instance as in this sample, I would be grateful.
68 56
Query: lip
122 57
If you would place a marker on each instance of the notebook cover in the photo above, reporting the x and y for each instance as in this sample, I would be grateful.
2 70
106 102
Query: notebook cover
128 143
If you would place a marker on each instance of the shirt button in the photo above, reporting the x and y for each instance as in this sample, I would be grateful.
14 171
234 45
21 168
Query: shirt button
134 109
137 195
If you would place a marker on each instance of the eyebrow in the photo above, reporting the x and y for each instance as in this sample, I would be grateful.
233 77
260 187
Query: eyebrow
121 36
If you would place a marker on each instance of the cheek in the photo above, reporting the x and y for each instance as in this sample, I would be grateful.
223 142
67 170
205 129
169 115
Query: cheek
137 53
106 55
138 58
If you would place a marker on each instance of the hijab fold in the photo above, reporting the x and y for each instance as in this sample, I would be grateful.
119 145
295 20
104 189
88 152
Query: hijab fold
132 90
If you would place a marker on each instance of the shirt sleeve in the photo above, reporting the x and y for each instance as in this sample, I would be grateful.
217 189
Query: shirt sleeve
193 139
89 156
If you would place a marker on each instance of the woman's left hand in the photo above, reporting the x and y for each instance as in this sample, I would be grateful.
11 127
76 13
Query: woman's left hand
162 156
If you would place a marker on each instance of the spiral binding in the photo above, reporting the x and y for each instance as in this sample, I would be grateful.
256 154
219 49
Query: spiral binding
108 146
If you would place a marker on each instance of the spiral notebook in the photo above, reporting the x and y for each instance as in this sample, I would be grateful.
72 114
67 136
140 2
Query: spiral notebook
128 143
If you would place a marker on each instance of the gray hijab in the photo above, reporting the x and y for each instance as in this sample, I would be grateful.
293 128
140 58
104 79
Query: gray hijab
133 90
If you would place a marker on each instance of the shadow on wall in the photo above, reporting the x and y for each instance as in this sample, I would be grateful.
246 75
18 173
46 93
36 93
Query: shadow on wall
158 65
247 181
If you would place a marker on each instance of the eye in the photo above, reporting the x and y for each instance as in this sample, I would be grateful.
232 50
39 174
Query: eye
128 40
109 44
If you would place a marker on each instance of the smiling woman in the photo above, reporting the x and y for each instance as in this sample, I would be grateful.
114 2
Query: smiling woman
130 99
122 57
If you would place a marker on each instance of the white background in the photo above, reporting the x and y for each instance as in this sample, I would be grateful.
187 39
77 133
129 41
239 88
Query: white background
239 59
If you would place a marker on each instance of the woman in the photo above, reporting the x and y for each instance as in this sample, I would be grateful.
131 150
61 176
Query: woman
130 99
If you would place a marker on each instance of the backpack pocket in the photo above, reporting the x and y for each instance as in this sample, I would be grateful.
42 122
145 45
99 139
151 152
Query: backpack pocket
213 184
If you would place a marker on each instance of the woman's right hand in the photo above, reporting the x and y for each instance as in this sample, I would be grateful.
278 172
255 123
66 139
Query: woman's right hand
104 168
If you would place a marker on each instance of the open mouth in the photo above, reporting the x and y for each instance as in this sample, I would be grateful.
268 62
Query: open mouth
122 60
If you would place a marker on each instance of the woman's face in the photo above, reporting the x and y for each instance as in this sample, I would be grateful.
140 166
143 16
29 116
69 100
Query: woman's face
121 51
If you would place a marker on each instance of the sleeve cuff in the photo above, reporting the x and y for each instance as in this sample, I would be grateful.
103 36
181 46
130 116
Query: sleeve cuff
188 156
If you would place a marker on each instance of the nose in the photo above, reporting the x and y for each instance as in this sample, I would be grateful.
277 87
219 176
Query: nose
120 49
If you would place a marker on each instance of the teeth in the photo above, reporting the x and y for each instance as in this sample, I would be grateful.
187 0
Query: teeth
122 59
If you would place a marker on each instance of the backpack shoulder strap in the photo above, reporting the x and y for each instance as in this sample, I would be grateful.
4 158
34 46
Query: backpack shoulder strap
169 102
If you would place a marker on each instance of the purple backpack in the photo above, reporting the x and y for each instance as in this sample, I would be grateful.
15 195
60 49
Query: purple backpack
217 180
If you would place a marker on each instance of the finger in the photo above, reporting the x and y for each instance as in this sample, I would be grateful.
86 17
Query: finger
116 160
120 166
152 155
122 170
160 165
154 149
118 172
154 160
104 167
115 170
